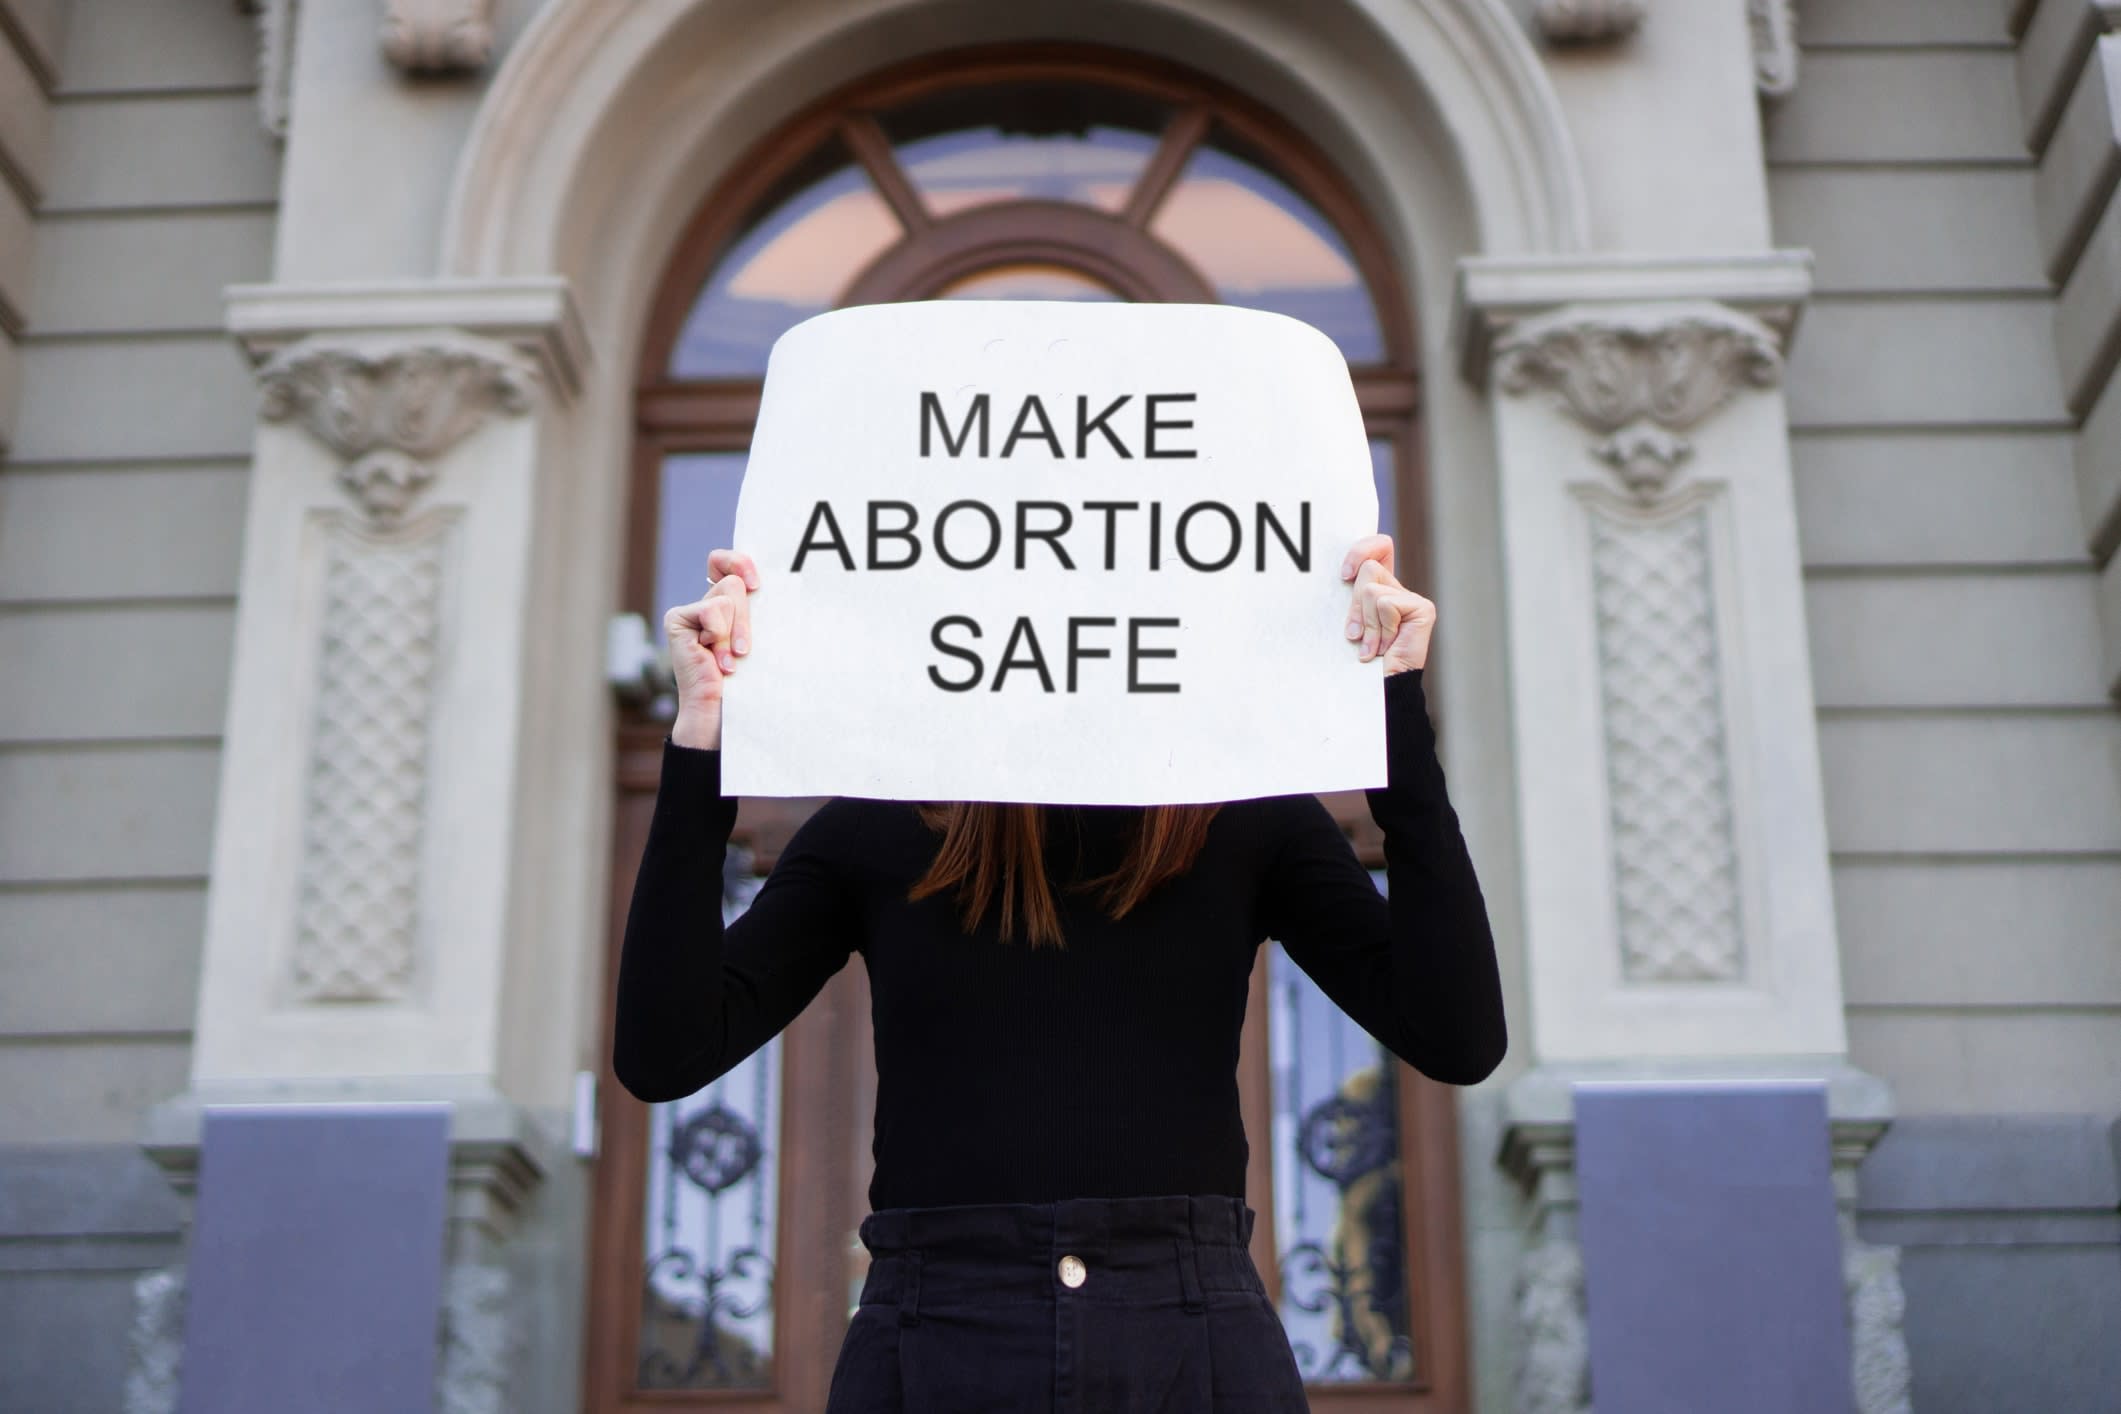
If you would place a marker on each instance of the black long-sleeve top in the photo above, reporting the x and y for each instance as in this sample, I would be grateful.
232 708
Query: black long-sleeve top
1103 1068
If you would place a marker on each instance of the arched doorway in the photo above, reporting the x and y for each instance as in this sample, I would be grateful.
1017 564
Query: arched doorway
724 1256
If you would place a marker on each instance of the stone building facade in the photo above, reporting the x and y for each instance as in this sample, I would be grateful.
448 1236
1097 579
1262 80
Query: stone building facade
1745 375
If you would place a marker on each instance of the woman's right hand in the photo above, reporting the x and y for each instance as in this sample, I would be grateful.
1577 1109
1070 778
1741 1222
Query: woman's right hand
707 637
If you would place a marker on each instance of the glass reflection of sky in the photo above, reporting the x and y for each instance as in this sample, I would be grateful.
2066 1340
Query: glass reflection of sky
956 171
793 264
697 514
1264 247
1029 282
1387 493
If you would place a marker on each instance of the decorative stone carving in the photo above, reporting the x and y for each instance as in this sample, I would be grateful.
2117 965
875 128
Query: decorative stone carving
1588 21
1774 26
481 1342
156 1344
1877 1339
276 53
438 36
357 910
1675 853
1553 1330
388 412
1640 381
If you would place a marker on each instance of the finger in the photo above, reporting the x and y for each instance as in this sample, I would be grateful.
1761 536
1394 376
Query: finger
681 623
731 587
1370 547
1367 572
723 563
1391 613
716 619
1372 642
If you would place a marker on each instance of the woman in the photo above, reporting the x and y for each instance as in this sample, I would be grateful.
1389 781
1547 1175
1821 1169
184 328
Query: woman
1058 1219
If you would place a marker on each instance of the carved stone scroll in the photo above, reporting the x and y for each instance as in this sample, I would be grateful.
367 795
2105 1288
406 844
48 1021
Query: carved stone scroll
438 36
1640 381
1774 29
388 412
1588 21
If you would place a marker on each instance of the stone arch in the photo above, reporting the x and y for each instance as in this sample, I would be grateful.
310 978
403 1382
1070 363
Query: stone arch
611 120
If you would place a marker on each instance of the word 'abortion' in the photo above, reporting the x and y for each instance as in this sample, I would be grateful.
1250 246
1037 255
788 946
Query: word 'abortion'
1131 535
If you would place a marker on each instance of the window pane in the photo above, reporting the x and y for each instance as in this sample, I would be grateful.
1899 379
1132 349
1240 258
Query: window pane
1263 246
815 231
1339 1234
1048 142
1382 467
697 514
1029 281
713 1191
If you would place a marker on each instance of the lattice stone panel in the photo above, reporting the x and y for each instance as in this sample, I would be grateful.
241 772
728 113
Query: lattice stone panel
1675 855
359 902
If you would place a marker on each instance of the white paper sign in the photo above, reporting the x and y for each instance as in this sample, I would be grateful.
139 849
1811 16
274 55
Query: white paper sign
1070 553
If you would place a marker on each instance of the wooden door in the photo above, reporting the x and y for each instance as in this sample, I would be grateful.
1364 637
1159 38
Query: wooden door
724 1253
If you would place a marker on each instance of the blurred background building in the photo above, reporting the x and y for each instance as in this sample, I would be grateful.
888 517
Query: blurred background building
1740 384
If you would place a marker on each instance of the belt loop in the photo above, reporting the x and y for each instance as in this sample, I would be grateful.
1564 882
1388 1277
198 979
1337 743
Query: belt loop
1188 1273
909 1300
1189 1259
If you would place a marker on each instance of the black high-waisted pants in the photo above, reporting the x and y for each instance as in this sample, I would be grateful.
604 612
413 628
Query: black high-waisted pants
1084 1306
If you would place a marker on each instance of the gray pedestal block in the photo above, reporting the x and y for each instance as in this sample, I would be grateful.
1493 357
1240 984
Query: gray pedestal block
1712 1254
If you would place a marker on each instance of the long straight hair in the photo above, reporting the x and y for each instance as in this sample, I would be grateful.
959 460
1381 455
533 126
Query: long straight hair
994 856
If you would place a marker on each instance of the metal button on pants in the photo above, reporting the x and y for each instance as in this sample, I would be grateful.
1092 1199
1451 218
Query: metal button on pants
1085 1306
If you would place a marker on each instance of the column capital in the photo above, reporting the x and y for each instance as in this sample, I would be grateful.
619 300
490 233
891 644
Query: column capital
1497 294
535 316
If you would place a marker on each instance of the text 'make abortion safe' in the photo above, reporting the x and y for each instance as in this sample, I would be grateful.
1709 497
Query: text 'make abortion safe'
1072 553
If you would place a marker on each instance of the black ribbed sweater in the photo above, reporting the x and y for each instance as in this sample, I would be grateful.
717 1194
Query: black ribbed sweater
1104 1068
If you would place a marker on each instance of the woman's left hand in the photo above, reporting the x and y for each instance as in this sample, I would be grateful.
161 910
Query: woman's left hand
1385 618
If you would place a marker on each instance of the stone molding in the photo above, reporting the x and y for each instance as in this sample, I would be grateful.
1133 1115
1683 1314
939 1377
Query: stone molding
499 1154
438 36
388 411
535 316
1588 21
1774 29
1640 378
1496 294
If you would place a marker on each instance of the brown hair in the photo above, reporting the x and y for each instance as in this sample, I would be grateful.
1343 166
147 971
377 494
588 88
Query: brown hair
995 854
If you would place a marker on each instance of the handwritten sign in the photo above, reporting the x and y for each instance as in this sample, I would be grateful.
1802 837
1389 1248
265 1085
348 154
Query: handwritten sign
1070 553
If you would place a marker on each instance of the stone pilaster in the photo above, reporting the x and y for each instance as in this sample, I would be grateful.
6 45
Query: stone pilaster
1679 917
368 937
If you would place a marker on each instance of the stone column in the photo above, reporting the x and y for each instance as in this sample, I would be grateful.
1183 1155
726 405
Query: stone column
365 937
1678 914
